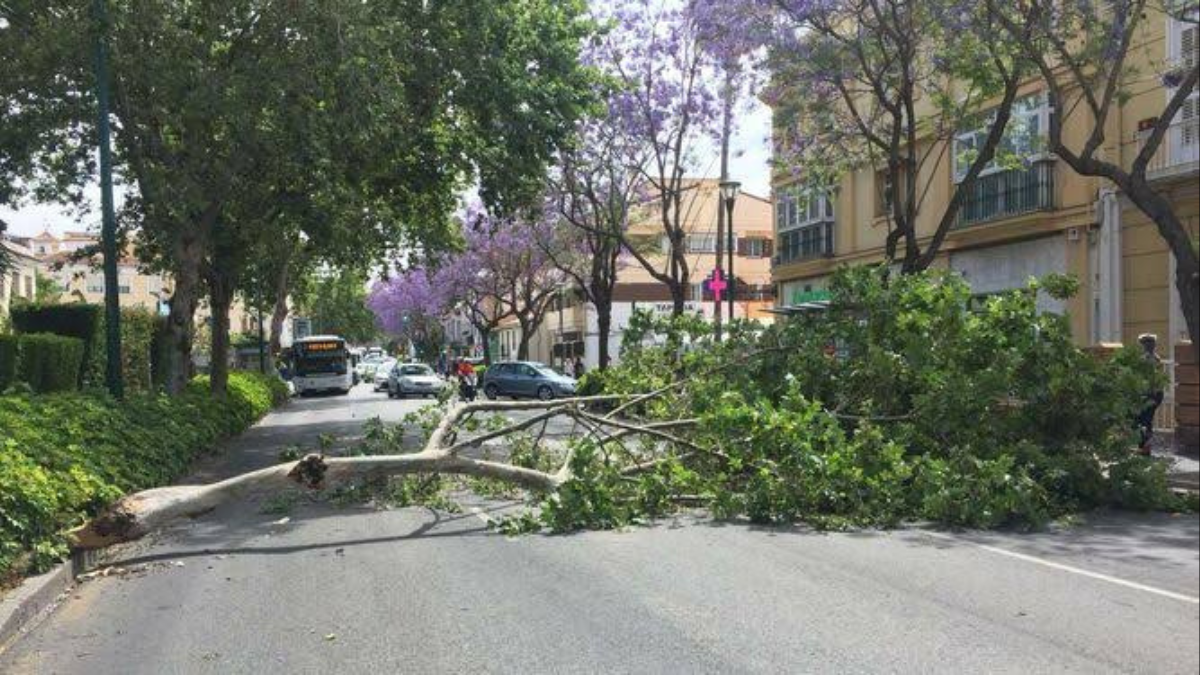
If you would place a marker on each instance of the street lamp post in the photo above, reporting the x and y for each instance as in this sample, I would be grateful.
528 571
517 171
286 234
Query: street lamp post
108 222
729 194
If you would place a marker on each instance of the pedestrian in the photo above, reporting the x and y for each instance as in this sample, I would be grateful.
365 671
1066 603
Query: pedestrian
1154 397
466 380
579 369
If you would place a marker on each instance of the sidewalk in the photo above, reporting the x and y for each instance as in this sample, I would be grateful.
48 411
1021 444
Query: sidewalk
1184 470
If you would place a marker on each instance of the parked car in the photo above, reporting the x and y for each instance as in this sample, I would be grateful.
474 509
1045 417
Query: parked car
526 379
379 378
413 378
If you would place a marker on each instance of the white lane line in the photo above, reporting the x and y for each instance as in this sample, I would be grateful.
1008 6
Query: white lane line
1067 568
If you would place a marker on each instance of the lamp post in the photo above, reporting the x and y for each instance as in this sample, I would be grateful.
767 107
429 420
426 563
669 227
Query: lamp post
729 194
108 221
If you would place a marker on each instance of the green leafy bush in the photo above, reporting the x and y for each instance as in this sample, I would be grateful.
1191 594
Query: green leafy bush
48 362
65 456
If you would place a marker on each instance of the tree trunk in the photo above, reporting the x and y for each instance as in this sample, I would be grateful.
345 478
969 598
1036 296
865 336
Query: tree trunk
678 298
527 331
485 334
181 329
1187 268
603 327
220 298
1187 282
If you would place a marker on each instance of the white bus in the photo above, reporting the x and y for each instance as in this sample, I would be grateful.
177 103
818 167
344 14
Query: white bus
321 363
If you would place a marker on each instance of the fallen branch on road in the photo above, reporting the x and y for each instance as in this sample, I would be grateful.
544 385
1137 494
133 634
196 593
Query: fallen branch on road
137 514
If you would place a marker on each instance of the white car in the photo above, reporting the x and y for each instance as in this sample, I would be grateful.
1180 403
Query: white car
380 377
413 378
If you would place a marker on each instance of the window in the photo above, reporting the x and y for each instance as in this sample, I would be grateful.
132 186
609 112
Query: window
1183 40
1183 52
29 287
754 247
1024 138
705 242
800 206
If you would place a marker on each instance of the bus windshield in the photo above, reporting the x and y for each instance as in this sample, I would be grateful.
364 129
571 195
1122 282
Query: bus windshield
325 357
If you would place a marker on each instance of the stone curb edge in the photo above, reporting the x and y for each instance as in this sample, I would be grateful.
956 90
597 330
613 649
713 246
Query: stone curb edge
32 601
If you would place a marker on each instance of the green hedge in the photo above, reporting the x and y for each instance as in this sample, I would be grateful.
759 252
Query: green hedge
48 362
8 361
77 320
65 456
138 329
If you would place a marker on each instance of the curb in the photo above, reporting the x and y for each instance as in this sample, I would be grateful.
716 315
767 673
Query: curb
32 601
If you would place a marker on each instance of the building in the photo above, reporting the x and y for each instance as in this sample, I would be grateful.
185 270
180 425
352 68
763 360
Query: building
73 262
1032 220
570 328
20 280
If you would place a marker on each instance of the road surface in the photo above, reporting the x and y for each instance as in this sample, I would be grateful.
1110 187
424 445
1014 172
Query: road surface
415 591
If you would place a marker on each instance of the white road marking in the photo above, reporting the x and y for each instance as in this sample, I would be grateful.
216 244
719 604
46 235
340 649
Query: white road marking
1068 568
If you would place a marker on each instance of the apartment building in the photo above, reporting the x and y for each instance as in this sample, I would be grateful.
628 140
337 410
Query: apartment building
1035 219
570 329
20 280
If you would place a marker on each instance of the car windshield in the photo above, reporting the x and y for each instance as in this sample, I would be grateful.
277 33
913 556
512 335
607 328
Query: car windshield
545 370
415 370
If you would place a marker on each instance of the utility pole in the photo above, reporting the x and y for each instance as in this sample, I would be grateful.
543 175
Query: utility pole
726 126
108 224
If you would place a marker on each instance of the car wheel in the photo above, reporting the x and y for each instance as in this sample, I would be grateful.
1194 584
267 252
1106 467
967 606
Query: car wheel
545 393
492 392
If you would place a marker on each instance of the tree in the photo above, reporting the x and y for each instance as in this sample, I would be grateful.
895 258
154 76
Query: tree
410 306
1086 54
258 113
886 85
589 195
49 291
502 272
336 302
665 103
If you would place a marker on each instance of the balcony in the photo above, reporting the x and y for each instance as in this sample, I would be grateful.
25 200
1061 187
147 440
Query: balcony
805 243
1005 194
1178 153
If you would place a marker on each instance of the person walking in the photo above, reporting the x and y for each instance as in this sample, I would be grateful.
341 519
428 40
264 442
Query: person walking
578 368
466 380
1154 397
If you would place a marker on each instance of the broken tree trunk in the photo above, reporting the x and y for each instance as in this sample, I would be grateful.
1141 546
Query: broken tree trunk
135 515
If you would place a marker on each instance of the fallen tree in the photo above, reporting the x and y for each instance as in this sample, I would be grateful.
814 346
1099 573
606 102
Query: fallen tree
135 515
904 399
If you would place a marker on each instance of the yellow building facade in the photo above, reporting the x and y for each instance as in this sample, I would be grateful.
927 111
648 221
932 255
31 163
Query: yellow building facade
1032 220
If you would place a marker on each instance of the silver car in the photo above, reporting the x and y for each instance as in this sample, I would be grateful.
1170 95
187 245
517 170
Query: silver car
413 378
382 371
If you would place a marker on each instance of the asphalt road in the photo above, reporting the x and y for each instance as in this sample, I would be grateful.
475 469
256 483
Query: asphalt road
414 591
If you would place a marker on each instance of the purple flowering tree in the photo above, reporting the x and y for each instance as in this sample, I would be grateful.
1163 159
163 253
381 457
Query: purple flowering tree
410 306
666 102
1092 57
501 272
887 85
589 194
